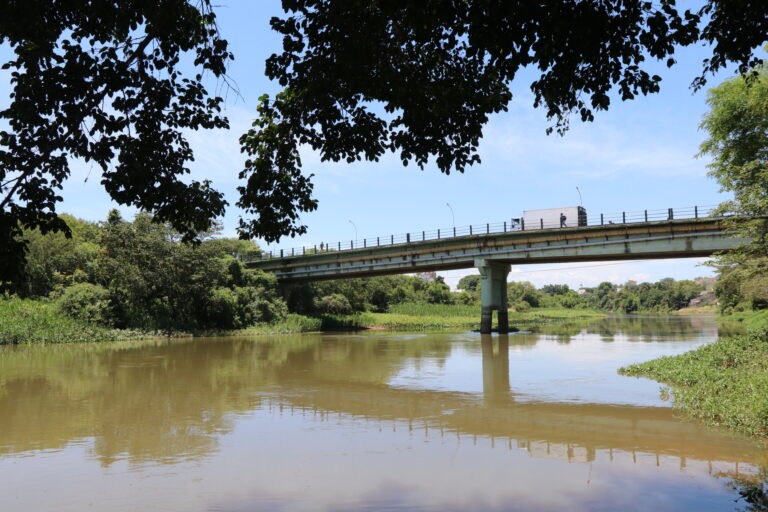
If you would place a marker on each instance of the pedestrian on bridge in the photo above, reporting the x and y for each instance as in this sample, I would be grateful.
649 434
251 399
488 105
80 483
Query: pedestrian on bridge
562 220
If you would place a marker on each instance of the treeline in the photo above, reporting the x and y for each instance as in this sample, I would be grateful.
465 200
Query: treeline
630 297
138 274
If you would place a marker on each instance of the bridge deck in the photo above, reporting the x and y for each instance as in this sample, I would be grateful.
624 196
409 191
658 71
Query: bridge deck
685 238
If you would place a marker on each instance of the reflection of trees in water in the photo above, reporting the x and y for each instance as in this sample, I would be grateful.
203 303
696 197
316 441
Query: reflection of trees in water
634 328
166 400
752 489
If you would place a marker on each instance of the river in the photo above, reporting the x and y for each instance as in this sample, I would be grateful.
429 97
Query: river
363 421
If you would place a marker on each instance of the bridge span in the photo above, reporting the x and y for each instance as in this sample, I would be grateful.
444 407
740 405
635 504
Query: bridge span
493 252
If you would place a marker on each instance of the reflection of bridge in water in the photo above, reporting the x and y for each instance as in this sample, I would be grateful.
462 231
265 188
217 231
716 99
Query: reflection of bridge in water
170 400
568 431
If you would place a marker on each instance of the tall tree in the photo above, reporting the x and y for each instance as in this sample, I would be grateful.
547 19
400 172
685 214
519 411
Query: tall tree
420 78
100 81
737 128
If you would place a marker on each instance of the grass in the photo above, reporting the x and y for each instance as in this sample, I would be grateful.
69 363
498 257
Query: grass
29 321
413 317
723 384
435 317
300 323
709 309
746 319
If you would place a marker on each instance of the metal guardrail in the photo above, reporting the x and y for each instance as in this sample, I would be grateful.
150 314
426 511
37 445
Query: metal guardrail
513 225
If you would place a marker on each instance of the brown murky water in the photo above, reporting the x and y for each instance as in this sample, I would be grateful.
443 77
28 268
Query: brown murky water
373 421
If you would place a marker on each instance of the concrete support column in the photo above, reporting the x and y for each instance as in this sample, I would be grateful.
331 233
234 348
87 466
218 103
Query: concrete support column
493 294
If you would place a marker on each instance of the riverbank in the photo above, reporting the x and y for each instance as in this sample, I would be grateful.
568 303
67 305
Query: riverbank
28 321
746 319
31 321
724 383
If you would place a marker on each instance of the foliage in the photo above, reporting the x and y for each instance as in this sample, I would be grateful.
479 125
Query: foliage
140 275
664 295
555 289
470 283
520 293
55 260
86 301
105 82
102 81
157 282
724 383
737 129
744 320
28 321
335 304
367 294
742 282
421 79
422 309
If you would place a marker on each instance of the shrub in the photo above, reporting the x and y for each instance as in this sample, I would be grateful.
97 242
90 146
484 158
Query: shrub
85 301
223 309
334 304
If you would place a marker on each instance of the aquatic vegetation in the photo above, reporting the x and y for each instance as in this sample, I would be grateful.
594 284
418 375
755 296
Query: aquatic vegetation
724 383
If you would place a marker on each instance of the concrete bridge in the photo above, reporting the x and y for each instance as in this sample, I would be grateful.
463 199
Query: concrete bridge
493 251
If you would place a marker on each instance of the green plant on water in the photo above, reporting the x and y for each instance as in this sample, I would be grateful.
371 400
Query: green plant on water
724 383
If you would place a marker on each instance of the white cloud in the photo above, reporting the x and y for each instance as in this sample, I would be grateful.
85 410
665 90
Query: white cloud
587 150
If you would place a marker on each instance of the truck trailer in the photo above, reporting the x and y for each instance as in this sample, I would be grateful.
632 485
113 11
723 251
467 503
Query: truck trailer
552 218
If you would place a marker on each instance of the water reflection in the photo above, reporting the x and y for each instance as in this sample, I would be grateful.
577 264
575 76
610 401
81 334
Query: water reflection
167 402
174 399
634 328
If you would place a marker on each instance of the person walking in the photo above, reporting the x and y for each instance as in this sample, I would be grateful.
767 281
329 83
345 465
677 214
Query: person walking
562 220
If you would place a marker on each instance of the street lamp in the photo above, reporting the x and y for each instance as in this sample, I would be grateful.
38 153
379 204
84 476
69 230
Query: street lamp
453 218
353 225
579 191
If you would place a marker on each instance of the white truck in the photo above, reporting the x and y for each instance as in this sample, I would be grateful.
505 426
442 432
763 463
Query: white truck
552 218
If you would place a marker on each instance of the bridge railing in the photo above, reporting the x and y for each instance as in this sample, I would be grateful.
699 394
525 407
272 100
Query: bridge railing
511 225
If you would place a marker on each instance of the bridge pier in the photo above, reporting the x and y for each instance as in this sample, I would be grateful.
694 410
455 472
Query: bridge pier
493 294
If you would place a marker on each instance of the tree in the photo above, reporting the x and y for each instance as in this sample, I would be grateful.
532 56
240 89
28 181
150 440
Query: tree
99 81
421 78
555 289
737 128
470 283
523 291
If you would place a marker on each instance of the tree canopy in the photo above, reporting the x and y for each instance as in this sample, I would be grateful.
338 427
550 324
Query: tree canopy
737 128
421 78
100 81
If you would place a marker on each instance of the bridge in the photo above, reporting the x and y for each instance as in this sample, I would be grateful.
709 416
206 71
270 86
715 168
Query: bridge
493 248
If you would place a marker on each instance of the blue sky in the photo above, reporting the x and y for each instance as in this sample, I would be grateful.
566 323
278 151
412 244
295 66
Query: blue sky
638 155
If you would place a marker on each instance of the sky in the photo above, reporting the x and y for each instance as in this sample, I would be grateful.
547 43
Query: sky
638 155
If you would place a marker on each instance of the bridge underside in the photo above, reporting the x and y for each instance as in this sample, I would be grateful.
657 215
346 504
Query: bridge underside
493 254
